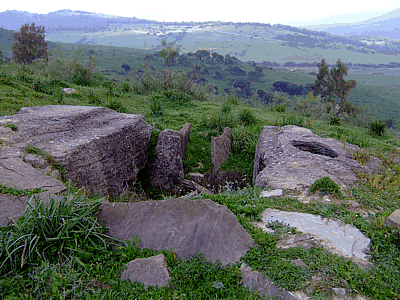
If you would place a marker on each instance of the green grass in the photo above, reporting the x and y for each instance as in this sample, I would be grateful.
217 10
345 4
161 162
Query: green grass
74 257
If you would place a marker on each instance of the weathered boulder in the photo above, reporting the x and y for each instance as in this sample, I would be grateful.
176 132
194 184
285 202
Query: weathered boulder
293 157
185 136
99 148
166 171
188 226
221 148
149 271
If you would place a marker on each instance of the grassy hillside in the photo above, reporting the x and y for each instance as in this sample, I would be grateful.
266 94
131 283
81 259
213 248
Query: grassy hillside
377 88
91 270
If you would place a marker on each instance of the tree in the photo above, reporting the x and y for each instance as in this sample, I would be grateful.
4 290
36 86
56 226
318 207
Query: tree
29 44
332 86
126 67
168 52
1 57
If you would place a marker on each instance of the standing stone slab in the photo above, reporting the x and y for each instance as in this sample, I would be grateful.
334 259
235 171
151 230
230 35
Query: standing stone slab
293 157
149 271
188 226
166 171
99 148
185 136
221 148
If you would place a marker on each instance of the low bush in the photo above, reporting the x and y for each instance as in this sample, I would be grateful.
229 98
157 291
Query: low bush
117 106
43 232
378 127
292 119
219 121
326 186
247 117
244 139
156 104
280 108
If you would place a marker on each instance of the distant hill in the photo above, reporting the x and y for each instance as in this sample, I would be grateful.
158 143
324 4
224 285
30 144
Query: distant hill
386 25
65 20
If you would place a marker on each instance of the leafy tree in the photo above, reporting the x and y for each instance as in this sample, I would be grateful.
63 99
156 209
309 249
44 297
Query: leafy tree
332 86
29 44
168 52
1 57
126 67
202 54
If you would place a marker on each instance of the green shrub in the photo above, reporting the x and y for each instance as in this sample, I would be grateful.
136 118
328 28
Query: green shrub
292 119
126 87
110 86
357 139
117 106
378 127
43 231
334 121
326 186
219 121
156 105
177 98
280 108
226 107
244 139
232 100
94 99
247 117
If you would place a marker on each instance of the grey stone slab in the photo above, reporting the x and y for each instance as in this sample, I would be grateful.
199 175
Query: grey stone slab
347 239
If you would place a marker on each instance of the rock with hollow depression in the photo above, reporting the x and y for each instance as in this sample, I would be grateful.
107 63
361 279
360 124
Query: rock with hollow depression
293 157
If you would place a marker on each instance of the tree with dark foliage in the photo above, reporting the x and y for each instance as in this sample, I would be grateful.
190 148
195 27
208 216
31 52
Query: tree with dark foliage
29 44
332 86
126 67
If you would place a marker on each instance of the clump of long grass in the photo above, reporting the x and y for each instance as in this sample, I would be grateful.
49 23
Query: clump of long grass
49 231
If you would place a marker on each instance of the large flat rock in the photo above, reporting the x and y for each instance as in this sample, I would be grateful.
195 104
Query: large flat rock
99 148
337 237
292 157
188 226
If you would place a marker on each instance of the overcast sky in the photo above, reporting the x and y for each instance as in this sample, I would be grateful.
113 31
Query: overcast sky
283 12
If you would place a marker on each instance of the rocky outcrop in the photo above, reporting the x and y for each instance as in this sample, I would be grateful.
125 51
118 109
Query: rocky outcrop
221 148
149 271
293 157
188 226
165 171
99 148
